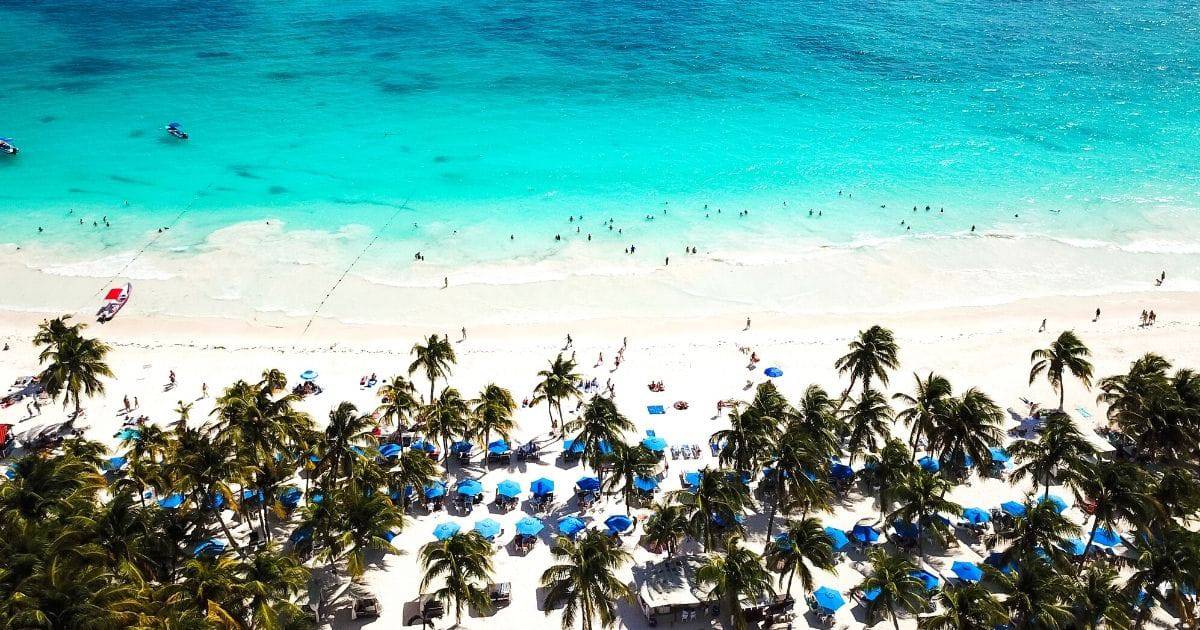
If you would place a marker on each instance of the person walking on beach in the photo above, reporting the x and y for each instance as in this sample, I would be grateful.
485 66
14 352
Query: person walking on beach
624 343
570 342
204 390
747 324
1043 326
1153 318
446 282
1097 317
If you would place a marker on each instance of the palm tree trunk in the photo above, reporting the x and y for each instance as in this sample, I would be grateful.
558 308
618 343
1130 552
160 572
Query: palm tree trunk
895 619
550 412
1088 546
1062 394
229 534
775 503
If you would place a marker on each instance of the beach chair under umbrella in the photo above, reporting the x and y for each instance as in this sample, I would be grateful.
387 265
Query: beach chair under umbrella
1106 537
541 487
1059 504
966 571
837 538
618 523
529 526
571 525
488 528
446 530
976 516
508 489
865 534
929 464
1012 508
828 600
928 580
588 484
655 443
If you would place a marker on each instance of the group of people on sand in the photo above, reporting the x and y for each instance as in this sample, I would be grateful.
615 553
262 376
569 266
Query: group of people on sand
1148 318
367 382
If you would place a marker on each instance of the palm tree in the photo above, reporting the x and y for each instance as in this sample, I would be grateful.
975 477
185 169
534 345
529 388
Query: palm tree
75 366
628 463
871 355
557 383
52 331
667 524
1040 530
719 498
922 497
1099 600
1170 559
1035 595
600 429
816 417
445 418
398 402
968 428
1065 354
71 595
1060 451
584 581
1155 410
733 577
411 469
965 606
1120 493
435 358
205 470
866 421
800 473
364 521
898 588
462 565
889 469
803 542
493 413
753 432
347 433
924 407
270 580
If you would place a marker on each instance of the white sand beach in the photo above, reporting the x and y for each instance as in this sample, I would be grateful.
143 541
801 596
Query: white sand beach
699 359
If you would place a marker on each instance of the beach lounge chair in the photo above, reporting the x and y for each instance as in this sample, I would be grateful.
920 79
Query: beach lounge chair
501 594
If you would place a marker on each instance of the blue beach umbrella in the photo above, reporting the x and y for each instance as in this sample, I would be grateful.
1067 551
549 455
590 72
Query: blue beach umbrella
499 447
837 537
1106 537
995 559
290 497
588 484
308 375
469 487
864 534
488 528
208 548
871 594
435 490
460 447
171 502
929 464
773 372
1059 504
655 443
128 434
541 487
928 580
446 530
423 445
530 526
966 571
508 488
645 484
1074 546
691 479
318 497
251 496
906 529
114 464
389 450
999 455
571 446
839 470
828 600
618 523
1012 508
976 516
570 525
300 535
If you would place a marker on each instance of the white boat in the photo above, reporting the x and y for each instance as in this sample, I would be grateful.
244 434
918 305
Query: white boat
114 301
7 146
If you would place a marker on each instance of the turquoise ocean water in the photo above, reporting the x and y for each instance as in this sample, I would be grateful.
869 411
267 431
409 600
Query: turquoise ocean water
498 118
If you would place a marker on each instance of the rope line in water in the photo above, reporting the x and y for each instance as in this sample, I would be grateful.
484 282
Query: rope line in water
378 233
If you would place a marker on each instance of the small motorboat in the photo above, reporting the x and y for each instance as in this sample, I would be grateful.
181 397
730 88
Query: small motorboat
7 146
114 301
175 129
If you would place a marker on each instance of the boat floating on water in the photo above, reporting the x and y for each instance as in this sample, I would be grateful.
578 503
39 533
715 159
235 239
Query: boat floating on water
7 146
114 301
175 129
